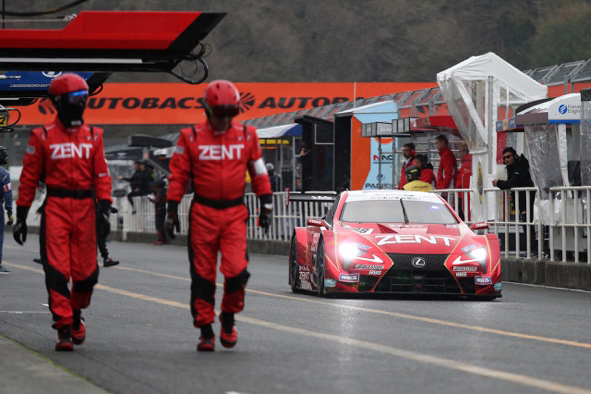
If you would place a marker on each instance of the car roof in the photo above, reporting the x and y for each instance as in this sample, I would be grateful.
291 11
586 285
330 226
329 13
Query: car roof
373 195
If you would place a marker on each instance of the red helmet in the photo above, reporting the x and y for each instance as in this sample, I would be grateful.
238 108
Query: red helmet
222 98
67 83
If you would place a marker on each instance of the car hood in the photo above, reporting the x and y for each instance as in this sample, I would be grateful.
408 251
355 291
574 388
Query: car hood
406 238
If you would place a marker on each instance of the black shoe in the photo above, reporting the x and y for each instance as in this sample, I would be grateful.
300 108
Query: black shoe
109 262
38 261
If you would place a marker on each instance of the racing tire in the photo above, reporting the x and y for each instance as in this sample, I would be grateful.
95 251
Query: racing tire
294 268
320 269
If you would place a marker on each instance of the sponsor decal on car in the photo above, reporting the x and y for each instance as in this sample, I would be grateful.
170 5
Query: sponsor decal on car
368 267
374 272
304 268
304 276
465 268
363 230
413 239
498 286
349 277
330 282
461 274
483 280
468 248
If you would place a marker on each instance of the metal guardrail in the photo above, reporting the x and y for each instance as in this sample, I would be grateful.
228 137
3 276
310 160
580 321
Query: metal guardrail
558 230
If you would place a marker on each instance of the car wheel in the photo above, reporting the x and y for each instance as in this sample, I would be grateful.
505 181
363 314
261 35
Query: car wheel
320 267
294 268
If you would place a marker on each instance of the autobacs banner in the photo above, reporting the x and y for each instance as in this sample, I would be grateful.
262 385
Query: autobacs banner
179 103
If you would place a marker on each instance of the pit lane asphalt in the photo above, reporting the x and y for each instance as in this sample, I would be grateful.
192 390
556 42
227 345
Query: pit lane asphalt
140 338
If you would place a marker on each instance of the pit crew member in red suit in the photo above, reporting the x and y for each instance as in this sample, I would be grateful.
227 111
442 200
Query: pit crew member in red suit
69 156
408 150
214 156
447 165
463 180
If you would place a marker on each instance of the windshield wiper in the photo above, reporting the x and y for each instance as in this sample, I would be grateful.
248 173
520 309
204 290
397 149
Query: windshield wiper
406 221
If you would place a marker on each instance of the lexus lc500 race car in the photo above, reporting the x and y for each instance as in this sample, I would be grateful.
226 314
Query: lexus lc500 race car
377 241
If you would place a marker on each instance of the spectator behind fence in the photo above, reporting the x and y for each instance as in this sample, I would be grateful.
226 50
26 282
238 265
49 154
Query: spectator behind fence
518 175
427 175
139 182
273 178
463 179
408 151
447 165
413 176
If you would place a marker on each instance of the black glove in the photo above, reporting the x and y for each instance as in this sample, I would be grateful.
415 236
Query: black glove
19 231
10 221
265 212
172 219
102 219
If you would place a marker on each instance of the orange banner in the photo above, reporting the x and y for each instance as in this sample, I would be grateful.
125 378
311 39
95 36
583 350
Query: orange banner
180 103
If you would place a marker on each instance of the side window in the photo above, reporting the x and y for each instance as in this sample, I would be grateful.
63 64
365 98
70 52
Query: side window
332 210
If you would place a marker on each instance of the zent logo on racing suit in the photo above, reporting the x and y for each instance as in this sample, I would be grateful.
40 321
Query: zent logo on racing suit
70 150
220 152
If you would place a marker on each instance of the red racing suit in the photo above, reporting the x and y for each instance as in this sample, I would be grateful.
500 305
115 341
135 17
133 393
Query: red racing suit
447 169
216 163
72 164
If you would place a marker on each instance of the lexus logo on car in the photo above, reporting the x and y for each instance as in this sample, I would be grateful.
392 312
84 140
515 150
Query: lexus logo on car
418 262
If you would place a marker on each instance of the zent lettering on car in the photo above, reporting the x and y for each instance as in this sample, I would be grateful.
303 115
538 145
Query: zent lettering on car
413 239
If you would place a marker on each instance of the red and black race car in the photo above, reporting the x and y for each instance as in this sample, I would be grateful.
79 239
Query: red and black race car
377 241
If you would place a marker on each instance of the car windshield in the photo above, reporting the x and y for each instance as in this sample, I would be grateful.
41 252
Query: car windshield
392 211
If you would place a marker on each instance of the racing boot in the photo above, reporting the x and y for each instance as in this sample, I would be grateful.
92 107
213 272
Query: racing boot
109 262
207 339
78 329
228 334
64 339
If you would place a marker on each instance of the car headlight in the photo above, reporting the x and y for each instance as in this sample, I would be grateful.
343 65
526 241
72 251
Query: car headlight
479 255
349 251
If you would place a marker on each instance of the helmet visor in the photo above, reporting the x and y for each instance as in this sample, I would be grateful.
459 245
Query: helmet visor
78 98
225 111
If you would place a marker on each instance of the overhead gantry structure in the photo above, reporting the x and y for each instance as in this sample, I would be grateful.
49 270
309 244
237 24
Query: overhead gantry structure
98 43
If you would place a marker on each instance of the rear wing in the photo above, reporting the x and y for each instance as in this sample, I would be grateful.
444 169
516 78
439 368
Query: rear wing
327 197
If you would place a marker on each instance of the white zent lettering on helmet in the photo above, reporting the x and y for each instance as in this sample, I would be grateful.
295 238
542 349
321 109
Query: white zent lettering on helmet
259 167
70 150
220 152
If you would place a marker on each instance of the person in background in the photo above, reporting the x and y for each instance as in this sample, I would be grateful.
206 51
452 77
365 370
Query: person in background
447 165
518 175
159 201
463 179
306 168
133 183
7 200
214 155
427 175
69 157
413 180
408 151
273 178
101 241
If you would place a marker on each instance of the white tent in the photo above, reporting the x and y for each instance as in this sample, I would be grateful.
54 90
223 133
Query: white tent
478 92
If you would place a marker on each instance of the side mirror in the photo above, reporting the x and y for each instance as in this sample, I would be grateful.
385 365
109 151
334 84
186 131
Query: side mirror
479 226
315 222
